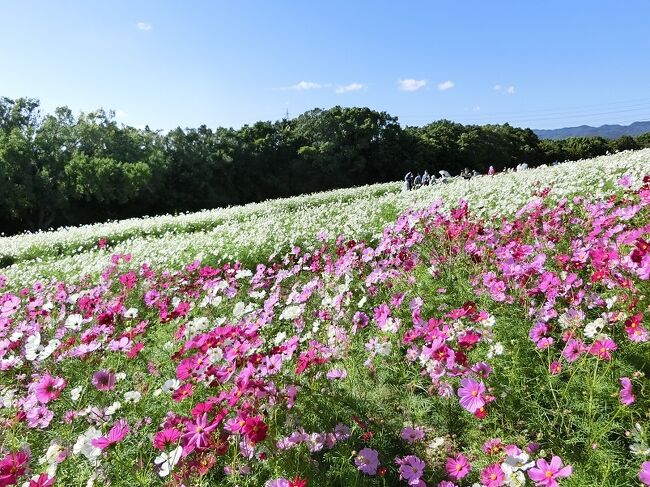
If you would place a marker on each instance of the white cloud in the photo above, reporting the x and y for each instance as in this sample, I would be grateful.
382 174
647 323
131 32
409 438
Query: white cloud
446 85
146 26
411 84
350 87
120 114
505 90
305 85
477 108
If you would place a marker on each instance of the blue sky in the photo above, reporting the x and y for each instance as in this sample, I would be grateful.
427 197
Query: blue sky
168 63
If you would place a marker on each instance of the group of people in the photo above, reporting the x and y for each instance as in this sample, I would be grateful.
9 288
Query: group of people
415 181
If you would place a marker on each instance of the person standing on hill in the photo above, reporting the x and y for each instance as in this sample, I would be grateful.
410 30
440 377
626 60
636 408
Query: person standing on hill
426 178
491 171
408 181
417 182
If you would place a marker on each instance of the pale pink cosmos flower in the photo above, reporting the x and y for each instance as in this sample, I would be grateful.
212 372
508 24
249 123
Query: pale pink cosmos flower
412 435
39 417
546 474
367 460
644 474
625 394
471 394
411 469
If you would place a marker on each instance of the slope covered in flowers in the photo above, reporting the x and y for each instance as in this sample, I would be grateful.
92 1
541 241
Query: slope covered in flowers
251 233
453 350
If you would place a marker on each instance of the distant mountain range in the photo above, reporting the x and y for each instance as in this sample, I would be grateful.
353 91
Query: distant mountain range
606 131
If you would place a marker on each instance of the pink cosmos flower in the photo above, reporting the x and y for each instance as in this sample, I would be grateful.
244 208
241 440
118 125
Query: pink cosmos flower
183 392
367 461
644 474
411 469
198 434
555 367
412 435
493 446
10 305
117 433
545 342
43 480
625 394
39 417
457 467
49 388
602 348
104 380
492 475
167 437
572 350
546 474
471 395
637 333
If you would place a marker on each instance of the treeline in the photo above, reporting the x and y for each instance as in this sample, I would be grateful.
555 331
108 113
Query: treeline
58 169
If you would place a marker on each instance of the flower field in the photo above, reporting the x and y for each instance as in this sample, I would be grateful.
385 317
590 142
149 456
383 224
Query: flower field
352 338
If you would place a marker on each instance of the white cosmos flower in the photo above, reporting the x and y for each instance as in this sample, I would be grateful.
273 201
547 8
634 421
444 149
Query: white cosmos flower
291 312
75 393
74 321
592 329
84 446
32 346
110 410
7 398
495 349
238 310
171 385
167 461
131 313
132 397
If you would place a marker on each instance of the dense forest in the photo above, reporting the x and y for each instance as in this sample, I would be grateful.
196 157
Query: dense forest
57 169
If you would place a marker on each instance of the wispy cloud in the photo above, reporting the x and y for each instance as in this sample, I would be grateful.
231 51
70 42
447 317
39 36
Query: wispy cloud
119 114
411 84
350 87
305 85
145 26
505 90
446 85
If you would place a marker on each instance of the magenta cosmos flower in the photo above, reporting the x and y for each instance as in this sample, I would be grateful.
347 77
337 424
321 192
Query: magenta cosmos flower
457 467
625 394
546 474
644 474
471 395
367 460
104 380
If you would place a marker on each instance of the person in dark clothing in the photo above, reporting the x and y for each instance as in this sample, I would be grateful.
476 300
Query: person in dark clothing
425 178
417 182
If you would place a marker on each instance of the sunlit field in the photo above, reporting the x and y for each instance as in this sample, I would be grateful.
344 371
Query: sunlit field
476 333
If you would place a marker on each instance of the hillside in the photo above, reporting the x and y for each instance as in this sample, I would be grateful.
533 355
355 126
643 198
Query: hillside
605 131
366 337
